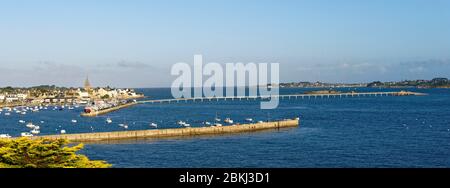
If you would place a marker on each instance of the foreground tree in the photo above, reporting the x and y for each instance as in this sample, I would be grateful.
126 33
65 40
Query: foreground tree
44 153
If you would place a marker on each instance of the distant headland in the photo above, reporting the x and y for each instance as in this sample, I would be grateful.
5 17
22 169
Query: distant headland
433 83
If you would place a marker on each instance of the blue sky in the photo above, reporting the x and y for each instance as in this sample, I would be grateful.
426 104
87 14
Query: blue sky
134 43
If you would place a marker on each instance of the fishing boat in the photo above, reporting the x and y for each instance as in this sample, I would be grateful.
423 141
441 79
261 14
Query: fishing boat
228 120
35 131
30 125
26 134
5 136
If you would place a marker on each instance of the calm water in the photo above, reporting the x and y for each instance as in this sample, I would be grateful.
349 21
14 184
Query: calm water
411 131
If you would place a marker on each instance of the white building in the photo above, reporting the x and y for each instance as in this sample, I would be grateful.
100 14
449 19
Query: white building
22 96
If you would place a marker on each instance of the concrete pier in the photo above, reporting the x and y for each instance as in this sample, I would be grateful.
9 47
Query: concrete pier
175 132
108 110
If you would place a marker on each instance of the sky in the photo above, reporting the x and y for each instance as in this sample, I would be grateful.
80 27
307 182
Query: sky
134 43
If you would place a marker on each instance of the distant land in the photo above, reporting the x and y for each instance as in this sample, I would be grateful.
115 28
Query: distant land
433 83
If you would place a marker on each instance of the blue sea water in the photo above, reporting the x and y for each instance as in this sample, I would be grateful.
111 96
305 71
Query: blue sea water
409 131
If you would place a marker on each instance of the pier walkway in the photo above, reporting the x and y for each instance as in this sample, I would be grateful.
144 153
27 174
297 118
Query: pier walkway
292 96
174 132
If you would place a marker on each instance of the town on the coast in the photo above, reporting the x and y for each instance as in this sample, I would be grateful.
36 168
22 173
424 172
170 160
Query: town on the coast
53 95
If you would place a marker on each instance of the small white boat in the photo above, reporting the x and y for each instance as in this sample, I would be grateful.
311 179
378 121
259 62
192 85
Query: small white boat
217 119
109 120
42 122
187 125
30 125
181 123
63 131
154 125
5 136
249 119
23 113
218 125
297 119
228 120
26 134
7 114
21 121
125 126
35 131
37 127
260 122
207 123
74 121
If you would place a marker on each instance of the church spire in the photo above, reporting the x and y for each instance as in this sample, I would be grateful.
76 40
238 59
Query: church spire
87 84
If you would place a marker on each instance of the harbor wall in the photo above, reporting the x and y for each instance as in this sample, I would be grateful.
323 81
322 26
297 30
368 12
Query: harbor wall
105 111
175 132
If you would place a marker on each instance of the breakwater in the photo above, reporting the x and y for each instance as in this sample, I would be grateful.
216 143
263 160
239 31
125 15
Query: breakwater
108 110
175 132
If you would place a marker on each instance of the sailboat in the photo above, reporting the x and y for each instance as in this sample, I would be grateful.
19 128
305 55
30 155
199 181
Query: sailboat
154 125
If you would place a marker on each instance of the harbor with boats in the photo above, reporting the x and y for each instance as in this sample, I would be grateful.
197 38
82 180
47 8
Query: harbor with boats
321 116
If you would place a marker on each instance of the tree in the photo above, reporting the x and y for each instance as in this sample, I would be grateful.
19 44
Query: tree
44 153
105 96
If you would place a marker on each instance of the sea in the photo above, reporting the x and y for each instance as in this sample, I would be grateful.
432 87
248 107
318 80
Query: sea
353 132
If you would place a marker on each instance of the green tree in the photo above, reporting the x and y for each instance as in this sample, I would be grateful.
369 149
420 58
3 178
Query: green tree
44 153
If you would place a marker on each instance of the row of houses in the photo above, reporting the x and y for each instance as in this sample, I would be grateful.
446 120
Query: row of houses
68 96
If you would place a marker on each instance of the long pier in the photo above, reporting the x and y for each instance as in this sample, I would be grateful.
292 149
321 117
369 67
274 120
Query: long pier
174 132
260 97
292 96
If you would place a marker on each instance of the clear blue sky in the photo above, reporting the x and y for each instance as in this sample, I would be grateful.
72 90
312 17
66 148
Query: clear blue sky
134 43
